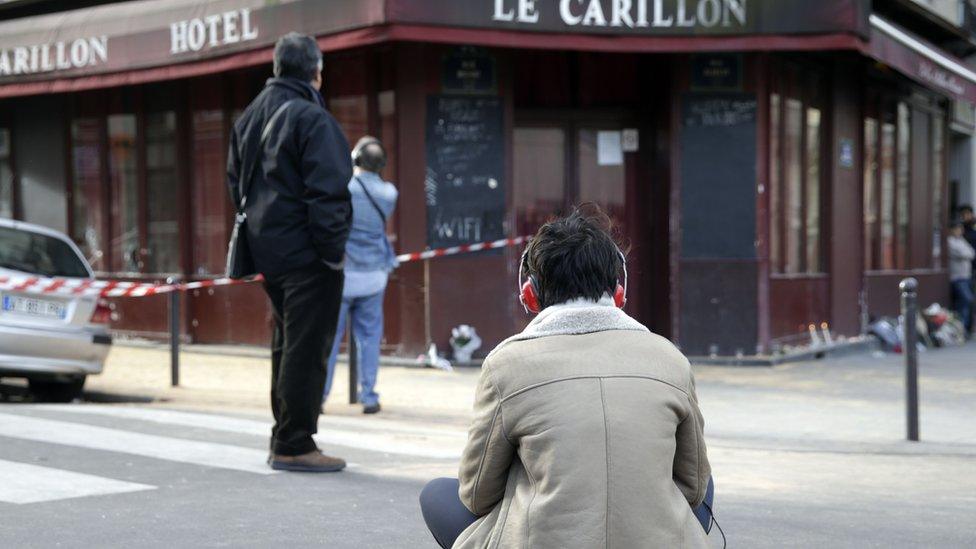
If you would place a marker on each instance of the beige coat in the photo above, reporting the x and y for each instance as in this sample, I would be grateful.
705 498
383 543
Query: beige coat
587 434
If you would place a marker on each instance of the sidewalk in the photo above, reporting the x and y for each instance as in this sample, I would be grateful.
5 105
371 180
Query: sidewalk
242 381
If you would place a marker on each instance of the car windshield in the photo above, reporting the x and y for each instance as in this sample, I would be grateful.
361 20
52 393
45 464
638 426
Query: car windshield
39 254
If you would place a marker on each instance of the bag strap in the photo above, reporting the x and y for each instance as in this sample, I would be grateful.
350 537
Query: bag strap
246 183
372 200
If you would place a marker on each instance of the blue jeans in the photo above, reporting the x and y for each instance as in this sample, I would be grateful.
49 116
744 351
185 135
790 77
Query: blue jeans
962 299
367 330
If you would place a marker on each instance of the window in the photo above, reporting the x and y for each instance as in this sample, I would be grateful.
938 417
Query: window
775 200
904 173
86 189
210 203
887 196
123 169
794 185
388 131
796 171
161 183
870 203
351 112
938 174
6 176
39 254
902 192
814 261
539 165
602 184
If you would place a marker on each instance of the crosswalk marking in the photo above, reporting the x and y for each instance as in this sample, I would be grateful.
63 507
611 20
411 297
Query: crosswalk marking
209 454
25 483
393 437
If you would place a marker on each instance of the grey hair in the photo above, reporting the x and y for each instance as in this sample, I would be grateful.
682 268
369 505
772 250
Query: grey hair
297 56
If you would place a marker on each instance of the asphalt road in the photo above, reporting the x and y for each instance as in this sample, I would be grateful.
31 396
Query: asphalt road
807 455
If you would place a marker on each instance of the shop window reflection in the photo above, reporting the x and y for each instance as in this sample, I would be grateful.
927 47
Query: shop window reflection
870 204
887 196
124 186
209 201
6 176
600 182
351 112
86 187
794 185
162 182
539 169
938 173
814 261
902 192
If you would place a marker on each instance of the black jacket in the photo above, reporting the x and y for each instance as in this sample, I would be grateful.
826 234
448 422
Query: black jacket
298 205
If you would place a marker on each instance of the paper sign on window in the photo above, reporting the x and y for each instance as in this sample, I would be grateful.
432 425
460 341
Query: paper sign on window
609 149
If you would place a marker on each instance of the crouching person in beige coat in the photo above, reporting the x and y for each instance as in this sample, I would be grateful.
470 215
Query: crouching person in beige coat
587 431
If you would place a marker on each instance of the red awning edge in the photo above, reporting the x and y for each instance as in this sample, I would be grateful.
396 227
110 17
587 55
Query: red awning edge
450 35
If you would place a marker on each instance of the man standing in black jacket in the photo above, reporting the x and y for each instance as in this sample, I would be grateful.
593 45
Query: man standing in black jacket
298 216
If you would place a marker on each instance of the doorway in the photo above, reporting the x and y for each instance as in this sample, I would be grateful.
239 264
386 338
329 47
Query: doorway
568 158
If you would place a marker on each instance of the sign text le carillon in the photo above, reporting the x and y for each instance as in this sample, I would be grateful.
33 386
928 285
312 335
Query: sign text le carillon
627 13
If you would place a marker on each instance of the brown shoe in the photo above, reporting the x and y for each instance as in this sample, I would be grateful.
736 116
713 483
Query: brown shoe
312 462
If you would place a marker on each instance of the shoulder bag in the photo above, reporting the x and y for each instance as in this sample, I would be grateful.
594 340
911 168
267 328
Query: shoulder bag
240 262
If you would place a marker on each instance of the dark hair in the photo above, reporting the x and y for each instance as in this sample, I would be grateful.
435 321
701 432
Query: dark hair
956 223
574 257
965 208
369 154
297 56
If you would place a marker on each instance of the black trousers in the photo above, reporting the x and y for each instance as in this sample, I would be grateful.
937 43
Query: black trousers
306 304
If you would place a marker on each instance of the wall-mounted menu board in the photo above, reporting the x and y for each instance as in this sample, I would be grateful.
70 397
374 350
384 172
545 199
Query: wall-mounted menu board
718 176
465 170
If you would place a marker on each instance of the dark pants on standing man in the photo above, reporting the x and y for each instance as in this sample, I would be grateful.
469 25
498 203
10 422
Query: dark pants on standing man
305 304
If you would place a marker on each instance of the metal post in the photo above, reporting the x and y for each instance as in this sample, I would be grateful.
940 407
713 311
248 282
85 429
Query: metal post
174 335
909 310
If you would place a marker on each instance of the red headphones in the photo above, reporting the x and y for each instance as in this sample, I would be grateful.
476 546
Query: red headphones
529 291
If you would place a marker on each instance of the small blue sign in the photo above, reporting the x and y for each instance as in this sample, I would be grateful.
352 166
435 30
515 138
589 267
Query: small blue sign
846 159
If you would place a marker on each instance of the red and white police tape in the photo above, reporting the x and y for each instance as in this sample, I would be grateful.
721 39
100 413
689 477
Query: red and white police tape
119 288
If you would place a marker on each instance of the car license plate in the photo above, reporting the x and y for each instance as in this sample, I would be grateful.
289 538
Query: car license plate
34 307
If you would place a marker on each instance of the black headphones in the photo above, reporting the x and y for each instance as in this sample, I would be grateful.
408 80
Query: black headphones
357 153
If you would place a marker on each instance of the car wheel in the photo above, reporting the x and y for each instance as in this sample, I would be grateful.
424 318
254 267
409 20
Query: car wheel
56 391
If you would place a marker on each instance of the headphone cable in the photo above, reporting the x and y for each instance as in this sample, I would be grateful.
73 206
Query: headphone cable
715 522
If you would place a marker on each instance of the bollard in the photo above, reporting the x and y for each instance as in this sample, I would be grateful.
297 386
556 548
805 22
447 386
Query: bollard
353 366
174 335
909 311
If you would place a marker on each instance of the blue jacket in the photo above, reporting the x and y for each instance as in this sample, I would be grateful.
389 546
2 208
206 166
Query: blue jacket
368 249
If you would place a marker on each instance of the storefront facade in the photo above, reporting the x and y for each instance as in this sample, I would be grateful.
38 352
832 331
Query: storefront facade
770 165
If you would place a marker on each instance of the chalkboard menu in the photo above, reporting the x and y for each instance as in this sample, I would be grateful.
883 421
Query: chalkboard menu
464 185
718 176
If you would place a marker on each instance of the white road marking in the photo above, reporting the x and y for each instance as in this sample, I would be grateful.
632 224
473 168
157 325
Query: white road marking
389 437
223 456
26 483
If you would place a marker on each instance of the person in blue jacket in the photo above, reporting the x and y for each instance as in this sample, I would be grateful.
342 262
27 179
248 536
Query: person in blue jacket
369 260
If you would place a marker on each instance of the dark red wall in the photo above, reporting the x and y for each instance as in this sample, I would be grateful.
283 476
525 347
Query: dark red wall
844 222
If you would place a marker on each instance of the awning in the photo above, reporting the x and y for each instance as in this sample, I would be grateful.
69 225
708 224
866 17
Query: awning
151 40
920 60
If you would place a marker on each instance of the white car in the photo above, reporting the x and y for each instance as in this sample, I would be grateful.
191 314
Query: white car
55 340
